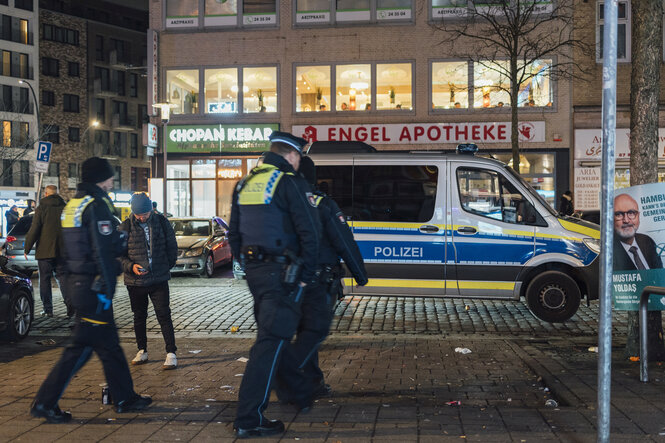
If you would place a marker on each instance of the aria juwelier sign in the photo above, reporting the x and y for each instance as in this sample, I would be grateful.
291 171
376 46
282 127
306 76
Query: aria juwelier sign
211 139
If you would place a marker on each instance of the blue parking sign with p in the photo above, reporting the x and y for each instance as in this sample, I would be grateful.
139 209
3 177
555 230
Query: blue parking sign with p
44 151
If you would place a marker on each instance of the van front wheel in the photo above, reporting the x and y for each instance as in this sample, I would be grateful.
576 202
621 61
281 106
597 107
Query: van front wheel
553 297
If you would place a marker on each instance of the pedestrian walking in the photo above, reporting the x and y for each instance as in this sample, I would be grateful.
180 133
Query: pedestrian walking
566 204
151 253
46 232
320 298
92 246
31 207
275 231
11 215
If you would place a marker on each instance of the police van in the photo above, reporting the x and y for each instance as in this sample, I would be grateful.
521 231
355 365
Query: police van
458 225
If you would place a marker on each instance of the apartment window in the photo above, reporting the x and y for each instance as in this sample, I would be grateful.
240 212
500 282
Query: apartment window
15 29
100 110
219 13
117 178
15 64
50 133
134 145
4 2
120 144
310 12
142 113
23 133
221 90
489 80
72 175
353 87
120 82
25 177
24 4
99 48
7 173
48 98
53 169
182 90
74 134
60 35
623 32
259 89
7 63
6 135
70 103
50 67
103 76
133 85
73 69
102 143
140 178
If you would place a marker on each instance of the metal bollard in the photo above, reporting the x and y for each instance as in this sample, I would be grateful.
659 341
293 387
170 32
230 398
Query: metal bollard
644 309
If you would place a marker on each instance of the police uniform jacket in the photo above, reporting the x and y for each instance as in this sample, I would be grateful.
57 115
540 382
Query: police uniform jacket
274 209
92 246
337 240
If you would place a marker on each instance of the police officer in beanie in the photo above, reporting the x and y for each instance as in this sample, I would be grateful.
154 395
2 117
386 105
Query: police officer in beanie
275 230
92 246
320 298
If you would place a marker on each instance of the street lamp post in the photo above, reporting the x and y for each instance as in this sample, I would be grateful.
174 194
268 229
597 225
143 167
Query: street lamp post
165 109
39 128
94 124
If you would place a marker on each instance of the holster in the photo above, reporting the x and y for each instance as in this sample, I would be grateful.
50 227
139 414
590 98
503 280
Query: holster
286 319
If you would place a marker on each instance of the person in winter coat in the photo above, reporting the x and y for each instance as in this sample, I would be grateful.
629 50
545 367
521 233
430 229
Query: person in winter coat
566 204
45 230
12 217
32 205
151 253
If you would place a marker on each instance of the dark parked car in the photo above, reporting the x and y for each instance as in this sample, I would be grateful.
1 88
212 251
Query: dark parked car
14 244
17 305
202 245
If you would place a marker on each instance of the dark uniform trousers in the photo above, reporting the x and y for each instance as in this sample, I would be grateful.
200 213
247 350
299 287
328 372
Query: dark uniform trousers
317 314
88 338
265 357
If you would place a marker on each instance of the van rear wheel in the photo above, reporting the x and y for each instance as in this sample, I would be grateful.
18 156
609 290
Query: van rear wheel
553 297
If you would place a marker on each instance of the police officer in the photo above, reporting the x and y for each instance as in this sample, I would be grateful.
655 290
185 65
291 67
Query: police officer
320 298
91 247
275 231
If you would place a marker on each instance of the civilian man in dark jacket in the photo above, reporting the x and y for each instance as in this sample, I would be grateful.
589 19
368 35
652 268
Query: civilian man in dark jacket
151 253
12 217
45 230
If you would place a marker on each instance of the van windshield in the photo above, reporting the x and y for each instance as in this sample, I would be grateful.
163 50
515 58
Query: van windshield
530 190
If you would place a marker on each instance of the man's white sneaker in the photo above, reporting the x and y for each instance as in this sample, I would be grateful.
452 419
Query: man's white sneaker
141 357
171 362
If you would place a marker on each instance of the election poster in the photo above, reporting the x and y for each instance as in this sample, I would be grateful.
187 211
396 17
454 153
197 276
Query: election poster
639 243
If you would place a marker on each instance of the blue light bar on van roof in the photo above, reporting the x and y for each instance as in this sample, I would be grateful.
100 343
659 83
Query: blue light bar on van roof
467 148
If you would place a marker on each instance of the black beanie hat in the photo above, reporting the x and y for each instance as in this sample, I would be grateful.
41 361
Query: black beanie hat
308 170
96 170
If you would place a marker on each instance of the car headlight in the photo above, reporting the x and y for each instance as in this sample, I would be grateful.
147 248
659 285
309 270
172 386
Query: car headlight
593 244
194 252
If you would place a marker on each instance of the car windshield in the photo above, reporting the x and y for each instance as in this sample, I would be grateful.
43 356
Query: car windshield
22 226
196 228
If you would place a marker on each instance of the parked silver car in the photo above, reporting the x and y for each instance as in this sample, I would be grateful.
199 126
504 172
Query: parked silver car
203 245
14 244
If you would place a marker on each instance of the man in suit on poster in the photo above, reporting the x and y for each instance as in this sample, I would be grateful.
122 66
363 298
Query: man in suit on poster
632 251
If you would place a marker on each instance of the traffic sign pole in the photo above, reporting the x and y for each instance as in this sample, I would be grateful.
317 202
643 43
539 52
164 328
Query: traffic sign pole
42 162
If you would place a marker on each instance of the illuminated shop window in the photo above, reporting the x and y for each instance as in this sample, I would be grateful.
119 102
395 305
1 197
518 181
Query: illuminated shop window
259 89
491 85
537 91
221 91
353 83
450 85
313 89
177 169
393 86
182 90
203 169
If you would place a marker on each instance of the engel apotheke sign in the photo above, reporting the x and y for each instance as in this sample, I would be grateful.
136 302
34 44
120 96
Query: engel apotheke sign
422 133
219 138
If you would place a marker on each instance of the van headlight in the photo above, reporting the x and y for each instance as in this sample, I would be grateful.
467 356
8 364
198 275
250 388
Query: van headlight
593 244
194 252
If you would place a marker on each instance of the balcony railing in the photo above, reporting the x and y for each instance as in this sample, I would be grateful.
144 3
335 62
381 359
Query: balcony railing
16 106
118 62
108 90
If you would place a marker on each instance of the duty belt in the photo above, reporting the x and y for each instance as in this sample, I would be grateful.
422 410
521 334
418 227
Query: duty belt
254 254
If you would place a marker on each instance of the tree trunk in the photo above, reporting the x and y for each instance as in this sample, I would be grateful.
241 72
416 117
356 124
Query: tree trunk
647 53
514 137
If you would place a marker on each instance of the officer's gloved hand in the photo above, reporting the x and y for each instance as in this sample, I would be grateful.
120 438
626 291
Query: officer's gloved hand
98 285
362 281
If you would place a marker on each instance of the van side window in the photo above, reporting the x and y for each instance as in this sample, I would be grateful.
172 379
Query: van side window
336 181
394 193
490 194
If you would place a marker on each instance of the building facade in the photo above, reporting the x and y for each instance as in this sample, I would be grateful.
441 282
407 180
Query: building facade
366 70
19 115
93 73
587 106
